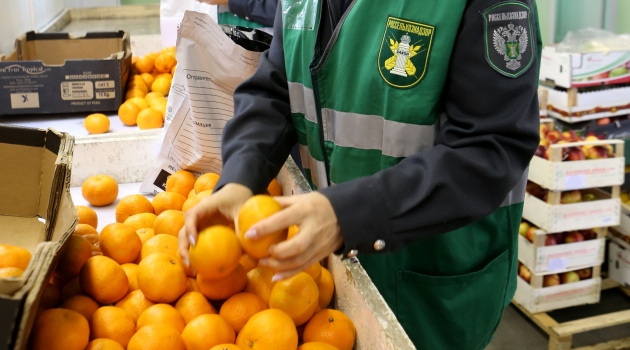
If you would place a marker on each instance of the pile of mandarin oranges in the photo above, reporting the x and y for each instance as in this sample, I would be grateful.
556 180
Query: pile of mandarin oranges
126 287
145 94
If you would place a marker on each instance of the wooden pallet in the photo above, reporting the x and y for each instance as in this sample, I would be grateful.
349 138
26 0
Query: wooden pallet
561 334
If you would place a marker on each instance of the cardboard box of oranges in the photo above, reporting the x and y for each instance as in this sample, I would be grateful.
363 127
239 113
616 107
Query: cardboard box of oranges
36 215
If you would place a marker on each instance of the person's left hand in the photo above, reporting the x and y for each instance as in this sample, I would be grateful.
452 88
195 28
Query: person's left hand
318 237
215 2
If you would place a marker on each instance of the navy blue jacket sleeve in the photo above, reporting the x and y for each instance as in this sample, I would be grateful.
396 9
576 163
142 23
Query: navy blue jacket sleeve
259 11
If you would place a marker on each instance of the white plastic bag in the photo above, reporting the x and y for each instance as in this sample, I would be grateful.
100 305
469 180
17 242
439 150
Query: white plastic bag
212 60
172 12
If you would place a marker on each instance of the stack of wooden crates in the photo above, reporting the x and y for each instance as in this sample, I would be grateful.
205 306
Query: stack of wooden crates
601 179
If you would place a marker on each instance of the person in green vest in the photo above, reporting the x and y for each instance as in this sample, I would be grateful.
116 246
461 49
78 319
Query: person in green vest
416 122
245 13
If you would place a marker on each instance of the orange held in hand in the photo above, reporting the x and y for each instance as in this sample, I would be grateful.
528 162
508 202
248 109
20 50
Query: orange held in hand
216 253
100 190
255 209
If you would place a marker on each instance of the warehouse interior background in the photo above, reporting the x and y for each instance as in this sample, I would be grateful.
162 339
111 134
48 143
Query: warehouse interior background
557 17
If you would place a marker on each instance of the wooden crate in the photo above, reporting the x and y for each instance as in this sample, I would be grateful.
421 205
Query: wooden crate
558 175
624 220
553 217
539 258
535 298
575 105
561 334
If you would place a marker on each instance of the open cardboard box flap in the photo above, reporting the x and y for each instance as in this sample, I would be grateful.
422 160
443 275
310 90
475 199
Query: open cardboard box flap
57 48
34 186
36 213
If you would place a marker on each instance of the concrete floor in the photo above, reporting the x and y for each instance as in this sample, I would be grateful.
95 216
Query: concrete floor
516 331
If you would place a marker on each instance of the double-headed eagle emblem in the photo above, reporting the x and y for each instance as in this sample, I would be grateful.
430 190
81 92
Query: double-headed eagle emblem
511 42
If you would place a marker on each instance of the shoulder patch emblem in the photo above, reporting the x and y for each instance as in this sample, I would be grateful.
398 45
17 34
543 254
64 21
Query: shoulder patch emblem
404 52
509 38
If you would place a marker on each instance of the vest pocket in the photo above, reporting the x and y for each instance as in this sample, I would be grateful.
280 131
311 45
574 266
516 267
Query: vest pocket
453 312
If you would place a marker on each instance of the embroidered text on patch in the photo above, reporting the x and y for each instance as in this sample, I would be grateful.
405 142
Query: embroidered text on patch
402 59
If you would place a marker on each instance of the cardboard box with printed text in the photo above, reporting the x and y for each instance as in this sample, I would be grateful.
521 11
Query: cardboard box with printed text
59 73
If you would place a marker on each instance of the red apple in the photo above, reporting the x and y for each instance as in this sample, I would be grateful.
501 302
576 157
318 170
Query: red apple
575 153
573 196
544 128
522 229
531 233
551 280
536 190
600 76
596 152
541 151
550 240
559 237
588 234
591 137
570 136
553 136
603 121
544 142
524 273
572 237
569 277
585 273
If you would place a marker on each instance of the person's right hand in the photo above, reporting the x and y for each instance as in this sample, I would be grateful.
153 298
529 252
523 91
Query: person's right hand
220 208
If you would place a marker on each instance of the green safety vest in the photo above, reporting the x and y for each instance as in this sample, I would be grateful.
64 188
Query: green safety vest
448 291
224 16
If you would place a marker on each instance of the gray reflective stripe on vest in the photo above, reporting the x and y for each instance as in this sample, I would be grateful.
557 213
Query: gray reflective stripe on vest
517 194
315 167
302 101
361 131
